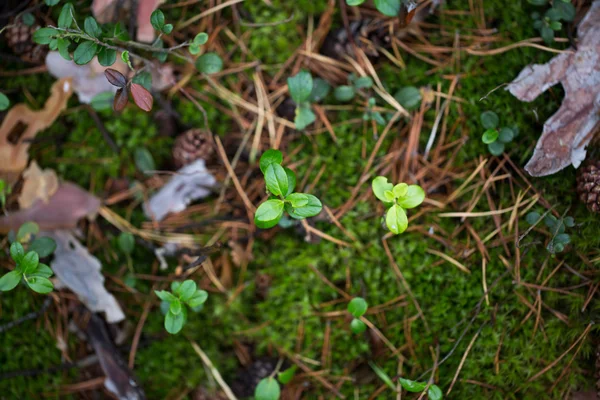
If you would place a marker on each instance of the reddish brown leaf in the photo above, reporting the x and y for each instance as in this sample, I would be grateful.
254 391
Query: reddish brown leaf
121 99
115 77
142 97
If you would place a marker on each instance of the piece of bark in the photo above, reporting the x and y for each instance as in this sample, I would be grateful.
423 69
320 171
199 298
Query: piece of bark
567 133
37 185
63 210
79 271
22 124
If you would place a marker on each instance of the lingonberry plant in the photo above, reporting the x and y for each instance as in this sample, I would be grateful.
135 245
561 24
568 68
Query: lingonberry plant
357 307
268 388
496 138
549 23
433 391
305 90
346 93
183 294
281 183
398 199
557 226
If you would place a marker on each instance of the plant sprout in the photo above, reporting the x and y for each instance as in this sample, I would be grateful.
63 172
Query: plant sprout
182 295
397 199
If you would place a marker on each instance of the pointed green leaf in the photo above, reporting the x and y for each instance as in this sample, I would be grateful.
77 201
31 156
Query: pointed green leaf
412 386
164 295
29 262
291 180
276 180
269 157
17 252
157 19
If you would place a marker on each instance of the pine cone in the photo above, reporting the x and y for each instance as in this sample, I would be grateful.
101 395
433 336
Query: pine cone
20 39
588 185
191 146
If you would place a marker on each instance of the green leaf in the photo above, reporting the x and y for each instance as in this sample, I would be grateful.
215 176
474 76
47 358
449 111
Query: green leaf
126 59
4 102
563 239
412 386
174 322
489 136
304 117
53 45
569 222
389 196
382 375
489 119
201 39
354 2
198 298
435 393
555 25
506 135
17 252
90 26
553 14
42 270
538 2
496 148
186 290
391 8
44 35
268 213
44 246
286 376
269 157
344 93
209 63
126 242
291 181
276 180
27 230
532 218
63 48
175 286
364 82
194 49
144 160
414 197
40 284
10 281
297 199
107 57
157 19
65 19
312 208
165 296
380 185
102 101
85 52
51 3
144 79
175 307
168 28
267 389
28 19
547 34
319 91
300 86
357 326
409 97
396 219
357 307
565 9
29 262
400 190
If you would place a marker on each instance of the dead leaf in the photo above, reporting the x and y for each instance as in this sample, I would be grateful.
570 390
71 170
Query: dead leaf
121 100
79 271
38 185
190 183
63 210
115 78
567 133
22 124
141 97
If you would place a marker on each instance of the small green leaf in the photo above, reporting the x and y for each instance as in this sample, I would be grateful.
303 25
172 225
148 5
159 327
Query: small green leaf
555 25
320 90
174 322
126 59
201 39
28 19
51 3
42 270
435 393
276 180
144 160
364 82
563 239
312 208
209 63
496 148
10 280
506 135
186 290
269 157
268 213
126 242
380 185
300 86
29 262
297 199
532 218
354 2
65 19
396 219
344 93
198 298
489 136
107 57
44 35
553 14
400 190
489 120
357 326
357 307
164 295
102 101
63 48
565 9
414 197
175 307
547 34
175 286
168 28
391 8
144 79
194 49
267 389
17 252
304 117
389 196
157 19
569 222
44 246
286 376
291 181
40 284
382 375
412 386
85 52
90 26
409 97
26 231
4 102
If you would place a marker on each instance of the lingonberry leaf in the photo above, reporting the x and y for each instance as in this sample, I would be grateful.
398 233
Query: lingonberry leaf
115 77
121 99
141 97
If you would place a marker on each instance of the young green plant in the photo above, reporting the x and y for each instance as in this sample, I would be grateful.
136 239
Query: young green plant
557 226
345 93
496 139
305 90
281 183
433 391
183 294
357 307
268 388
397 199
550 22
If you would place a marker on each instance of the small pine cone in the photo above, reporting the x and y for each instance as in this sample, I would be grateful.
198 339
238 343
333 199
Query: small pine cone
588 185
191 146
20 39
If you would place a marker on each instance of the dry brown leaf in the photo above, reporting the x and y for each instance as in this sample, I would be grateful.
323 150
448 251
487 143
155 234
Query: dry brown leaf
570 129
38 185
21 124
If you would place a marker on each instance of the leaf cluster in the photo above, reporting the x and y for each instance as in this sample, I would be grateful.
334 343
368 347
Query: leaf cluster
557 226
345 93
433 391
269 389
305 90
183 294
496 139
550 22
398 199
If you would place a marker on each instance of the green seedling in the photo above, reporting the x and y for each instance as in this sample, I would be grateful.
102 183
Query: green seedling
409 97
496 139
346 93
269 389
357 307
183 294
550 22
397 199
557 226
281 183
433 391
305 90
